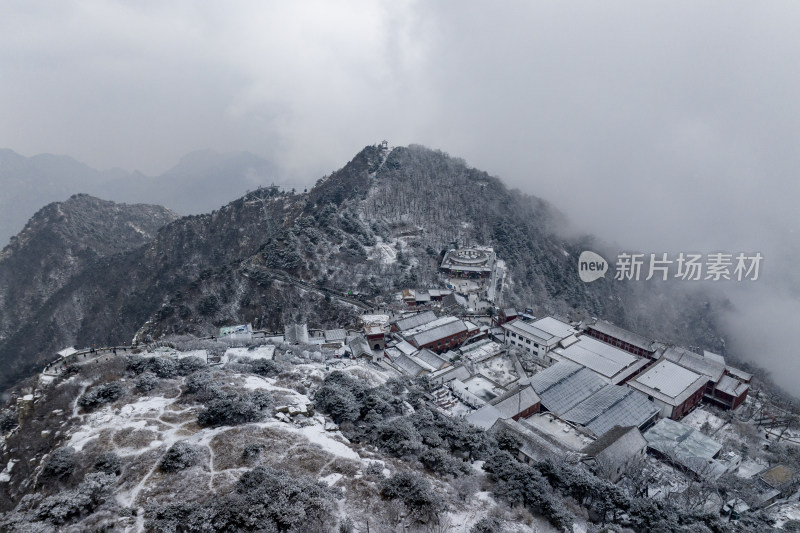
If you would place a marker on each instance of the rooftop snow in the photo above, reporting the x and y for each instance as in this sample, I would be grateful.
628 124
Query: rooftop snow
416 320
433 360
634 339
335 335
554 327
620 443
514 402
707 366
526 329
481 350
564 385
485 417
408 365
449 373
731 386
680 441
446 330
429 325
669 382
603 358
612 406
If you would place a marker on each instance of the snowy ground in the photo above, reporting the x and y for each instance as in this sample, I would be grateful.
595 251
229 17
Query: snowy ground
266 351
700 416
483 388
142 431
750 468
375 320
560 430
499 369
785 512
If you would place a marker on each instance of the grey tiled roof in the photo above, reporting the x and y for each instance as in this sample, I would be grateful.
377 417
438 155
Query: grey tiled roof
732 386
514 402
564 385
706 366
669 382
634 339
431 358
416 320
680 441
408 365
616 437
335 335
441 332
612 406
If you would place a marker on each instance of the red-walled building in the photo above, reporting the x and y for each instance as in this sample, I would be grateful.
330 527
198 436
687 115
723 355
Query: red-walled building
621 338
674 389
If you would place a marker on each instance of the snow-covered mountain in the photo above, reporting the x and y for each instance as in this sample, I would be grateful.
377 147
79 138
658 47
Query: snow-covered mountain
378 224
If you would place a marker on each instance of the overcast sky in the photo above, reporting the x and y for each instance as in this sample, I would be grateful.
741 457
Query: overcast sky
657 125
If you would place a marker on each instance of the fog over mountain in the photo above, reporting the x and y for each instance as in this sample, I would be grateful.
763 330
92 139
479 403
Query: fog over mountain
663 127
199 183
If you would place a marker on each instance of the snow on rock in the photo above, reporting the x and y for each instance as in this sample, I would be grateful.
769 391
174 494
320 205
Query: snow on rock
331 479
5 475
266 351
258 382
317 435
136 415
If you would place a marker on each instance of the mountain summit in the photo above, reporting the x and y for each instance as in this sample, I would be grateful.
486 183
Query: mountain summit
378 225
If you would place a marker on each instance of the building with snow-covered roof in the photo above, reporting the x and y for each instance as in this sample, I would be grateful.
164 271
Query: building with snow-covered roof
409 366
442 334
686 447
564 385
621 338
520 402
555 327
335 336
414 321
461 391
612 454
536 444
710 367
450 373
613 406
614 365
241 332
453 301
724 388
485 417
440 321
675 389
296 333
530 338
359 347
736 373
403 345
432 359
729 393
376 336
480 350
475 262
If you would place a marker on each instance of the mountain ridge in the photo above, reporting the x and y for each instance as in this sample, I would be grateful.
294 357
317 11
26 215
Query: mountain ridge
193 276
213 178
